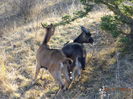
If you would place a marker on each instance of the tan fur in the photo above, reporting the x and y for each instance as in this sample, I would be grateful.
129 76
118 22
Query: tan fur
52 59
76 70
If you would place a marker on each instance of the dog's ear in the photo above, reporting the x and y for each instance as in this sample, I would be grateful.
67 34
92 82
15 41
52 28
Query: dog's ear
85 30
51 24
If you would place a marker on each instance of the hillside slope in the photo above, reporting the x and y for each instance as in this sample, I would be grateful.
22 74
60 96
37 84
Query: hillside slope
108 73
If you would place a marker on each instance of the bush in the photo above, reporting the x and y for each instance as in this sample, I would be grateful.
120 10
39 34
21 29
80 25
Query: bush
124 40
110 23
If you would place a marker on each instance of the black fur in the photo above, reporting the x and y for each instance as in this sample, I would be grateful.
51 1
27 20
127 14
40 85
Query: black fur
73 50
76 49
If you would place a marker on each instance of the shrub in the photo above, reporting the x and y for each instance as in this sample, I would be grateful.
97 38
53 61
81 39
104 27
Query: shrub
110 23
124 40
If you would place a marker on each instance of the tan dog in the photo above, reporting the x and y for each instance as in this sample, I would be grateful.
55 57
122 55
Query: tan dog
52 59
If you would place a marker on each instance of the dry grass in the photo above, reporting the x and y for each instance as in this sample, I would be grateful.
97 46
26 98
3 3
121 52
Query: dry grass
6 87
17 59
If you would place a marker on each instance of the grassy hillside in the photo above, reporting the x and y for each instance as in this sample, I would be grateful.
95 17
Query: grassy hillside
108 73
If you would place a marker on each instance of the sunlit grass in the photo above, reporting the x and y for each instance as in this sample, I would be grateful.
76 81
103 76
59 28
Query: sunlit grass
18 64
5 84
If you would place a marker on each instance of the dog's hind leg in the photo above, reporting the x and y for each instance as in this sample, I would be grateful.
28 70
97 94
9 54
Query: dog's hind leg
59 80
38 66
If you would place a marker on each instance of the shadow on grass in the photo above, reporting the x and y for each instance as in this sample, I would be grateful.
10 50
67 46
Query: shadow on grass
101 72
22 90
97 74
